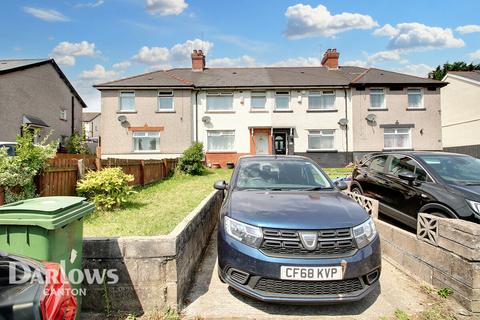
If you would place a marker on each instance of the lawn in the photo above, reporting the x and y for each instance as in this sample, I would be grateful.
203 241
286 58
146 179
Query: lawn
155 209
158 208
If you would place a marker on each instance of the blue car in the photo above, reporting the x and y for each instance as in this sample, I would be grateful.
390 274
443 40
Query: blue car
287 234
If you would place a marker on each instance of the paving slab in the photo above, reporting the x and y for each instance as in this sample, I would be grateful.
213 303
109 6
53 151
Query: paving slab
209 298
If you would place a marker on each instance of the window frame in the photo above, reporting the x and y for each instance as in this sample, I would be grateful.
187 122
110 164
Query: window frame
258 94
165 94
428 177
219 94
283 94
320 134
120 102
421 99
321 94
64 114
220 150
146 151
384 104
396 133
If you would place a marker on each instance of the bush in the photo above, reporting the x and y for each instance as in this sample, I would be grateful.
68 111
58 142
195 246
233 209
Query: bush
107 188
192 160
77 144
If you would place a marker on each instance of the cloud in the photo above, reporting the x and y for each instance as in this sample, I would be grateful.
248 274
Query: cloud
469 28
419 70
304 21
475 55
92 4
98 73
384 56
417 36
165 7
65 52
176 55
122 65
243 61
298 62
356 63
49 15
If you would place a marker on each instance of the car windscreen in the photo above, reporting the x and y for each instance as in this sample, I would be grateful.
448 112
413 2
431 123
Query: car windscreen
280 175
455 169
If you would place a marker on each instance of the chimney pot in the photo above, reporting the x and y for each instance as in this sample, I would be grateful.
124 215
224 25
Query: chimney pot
330 59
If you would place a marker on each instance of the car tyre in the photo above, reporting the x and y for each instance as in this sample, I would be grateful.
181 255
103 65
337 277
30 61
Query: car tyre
356 190
441 214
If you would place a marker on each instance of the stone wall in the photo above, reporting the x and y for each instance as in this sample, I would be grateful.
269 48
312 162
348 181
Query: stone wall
153 271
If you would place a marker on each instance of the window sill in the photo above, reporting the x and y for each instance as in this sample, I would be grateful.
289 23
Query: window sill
146 152
165 111
322 110
258 111
282 111
321 151
416 109
221 152
126 112
377 109
397 149
220 111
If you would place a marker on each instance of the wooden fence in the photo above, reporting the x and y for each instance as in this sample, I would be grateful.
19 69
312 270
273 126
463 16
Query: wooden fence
60 179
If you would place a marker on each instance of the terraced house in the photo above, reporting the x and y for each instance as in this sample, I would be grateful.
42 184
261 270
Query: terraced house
330 113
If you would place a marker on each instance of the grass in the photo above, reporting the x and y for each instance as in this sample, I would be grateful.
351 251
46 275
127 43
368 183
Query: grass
157 208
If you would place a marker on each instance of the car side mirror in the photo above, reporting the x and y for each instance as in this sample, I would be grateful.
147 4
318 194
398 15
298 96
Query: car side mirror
220 185
342 185
410 177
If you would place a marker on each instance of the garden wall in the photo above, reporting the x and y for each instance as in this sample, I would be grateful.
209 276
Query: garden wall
153 271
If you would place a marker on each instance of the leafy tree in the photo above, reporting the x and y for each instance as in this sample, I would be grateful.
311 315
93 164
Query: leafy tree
77 144
192 161
441 71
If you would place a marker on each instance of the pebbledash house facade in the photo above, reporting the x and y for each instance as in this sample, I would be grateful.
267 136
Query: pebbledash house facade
330 113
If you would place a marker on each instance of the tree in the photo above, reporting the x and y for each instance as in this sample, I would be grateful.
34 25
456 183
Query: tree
441 71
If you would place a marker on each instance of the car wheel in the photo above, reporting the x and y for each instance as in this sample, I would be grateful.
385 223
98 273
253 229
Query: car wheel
356 190
440 214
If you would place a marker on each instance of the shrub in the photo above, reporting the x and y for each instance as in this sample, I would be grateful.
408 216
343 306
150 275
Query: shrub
77 144
192 160
107 188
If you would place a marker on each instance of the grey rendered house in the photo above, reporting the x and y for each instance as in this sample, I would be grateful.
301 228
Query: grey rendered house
330 113
36 92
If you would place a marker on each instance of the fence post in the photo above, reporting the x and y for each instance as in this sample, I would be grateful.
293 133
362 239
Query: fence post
98 163
2 196
142 172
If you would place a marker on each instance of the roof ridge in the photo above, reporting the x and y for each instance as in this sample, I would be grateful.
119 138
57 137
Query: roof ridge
178 78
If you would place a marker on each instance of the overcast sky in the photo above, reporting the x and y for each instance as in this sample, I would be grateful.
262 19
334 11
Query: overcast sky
99 40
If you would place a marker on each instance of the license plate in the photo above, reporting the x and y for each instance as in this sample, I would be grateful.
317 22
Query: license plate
311 273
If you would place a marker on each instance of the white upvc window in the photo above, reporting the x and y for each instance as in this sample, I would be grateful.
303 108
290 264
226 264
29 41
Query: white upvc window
321 100
282 100
258 100
321 139
165 101
220 140
146 141
377 98
415 98
127 101
397 138
219 101
63 114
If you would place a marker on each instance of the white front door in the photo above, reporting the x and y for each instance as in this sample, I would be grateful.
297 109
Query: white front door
261 143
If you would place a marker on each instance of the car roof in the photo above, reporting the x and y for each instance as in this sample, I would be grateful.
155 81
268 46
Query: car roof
419 153
273 157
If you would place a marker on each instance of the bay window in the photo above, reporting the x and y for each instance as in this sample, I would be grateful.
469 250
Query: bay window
146 141
221 140
219 101
321 139
397 138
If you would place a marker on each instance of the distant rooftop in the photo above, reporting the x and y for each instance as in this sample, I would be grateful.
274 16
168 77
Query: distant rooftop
472 75
19 63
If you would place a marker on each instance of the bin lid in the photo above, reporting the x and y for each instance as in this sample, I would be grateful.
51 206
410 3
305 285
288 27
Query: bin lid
47 212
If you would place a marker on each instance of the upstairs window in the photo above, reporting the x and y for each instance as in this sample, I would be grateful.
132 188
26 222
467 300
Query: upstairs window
321 139
282 100
377 99
63 114
146 141
127 101
165 101
258 100
219 101
415 99
321 100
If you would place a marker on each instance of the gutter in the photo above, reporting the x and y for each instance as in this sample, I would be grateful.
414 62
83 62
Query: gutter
73 115
196 116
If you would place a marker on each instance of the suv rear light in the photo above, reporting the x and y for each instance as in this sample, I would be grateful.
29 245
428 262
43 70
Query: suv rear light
58 302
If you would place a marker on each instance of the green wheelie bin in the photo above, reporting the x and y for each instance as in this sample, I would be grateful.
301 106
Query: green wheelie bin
47 229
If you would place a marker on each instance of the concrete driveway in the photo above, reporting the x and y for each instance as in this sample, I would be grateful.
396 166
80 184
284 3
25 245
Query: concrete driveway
212 299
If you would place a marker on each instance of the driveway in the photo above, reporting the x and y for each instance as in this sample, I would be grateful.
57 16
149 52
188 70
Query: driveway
209 298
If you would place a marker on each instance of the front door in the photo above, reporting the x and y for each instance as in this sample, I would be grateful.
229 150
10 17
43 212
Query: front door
261 143
280 143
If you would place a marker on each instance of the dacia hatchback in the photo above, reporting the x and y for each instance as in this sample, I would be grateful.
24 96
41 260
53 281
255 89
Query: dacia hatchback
288 234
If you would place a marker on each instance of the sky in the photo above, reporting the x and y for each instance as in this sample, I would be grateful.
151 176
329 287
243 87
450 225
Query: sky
95 41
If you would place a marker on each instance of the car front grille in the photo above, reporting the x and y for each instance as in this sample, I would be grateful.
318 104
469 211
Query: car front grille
287 243
292 287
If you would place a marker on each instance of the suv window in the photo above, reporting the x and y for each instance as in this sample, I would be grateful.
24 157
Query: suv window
403 164
378 163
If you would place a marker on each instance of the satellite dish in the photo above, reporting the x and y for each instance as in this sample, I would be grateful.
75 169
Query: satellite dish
122 118
371 117
343 122
206 119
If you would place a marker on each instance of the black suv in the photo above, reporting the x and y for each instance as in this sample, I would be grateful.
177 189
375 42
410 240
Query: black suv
406 183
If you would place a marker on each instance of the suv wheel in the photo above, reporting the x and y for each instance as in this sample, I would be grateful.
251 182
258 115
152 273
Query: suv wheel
356 190
440 214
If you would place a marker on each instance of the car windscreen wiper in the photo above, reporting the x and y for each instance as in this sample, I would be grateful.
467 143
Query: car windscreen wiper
318 188
472 184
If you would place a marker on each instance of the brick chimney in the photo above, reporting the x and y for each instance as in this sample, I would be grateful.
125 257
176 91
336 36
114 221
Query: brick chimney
198 60
330 59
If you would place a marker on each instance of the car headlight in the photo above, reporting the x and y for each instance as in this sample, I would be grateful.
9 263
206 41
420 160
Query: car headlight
474 205
243 232
365 233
